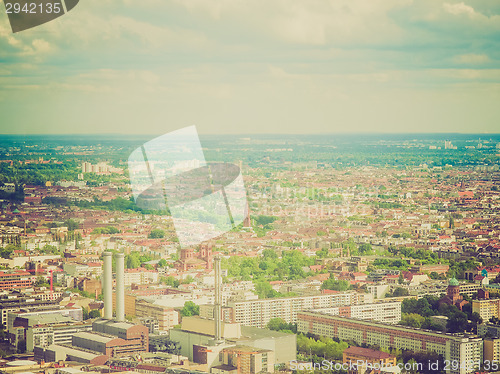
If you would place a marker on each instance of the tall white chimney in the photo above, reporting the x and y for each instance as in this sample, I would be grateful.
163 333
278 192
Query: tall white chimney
107 285
120 287
218 301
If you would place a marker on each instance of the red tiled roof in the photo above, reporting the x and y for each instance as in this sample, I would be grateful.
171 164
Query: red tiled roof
366 352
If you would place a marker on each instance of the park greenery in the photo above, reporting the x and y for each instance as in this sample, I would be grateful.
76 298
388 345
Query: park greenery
156 234
417 313
190 309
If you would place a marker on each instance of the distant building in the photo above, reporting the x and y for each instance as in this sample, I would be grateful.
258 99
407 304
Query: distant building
140 276
167 317
453 296
487 308
357 356
449 145
189 259
16 279
14 303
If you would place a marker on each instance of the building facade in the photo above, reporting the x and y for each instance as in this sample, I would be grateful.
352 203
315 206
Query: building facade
258 313
388 312
453 347
167 317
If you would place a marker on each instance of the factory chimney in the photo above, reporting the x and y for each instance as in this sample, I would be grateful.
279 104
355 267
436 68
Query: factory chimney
218 301
107 285
120 287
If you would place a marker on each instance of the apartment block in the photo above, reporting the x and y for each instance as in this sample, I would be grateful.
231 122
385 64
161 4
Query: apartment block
487 308
167 317
257 313
140 276
389 312
492 349
458 347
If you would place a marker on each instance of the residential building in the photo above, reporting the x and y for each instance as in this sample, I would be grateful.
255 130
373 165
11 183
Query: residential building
492 349
458 347
258 313
15 280
140 276
387 312
167 317
356 355
487 308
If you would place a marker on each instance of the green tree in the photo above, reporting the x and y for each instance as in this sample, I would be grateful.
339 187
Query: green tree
412 320
156 234
365 249
7 251
190 309
162 263
94 314
457 322
336 285
71 224
170 281
41 282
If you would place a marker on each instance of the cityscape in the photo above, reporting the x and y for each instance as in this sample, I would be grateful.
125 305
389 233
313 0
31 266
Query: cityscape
357 254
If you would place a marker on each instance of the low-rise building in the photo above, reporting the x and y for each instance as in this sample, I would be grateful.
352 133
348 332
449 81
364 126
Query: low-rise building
167 317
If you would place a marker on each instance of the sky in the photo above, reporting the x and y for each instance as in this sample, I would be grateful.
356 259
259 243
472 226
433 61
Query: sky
255 66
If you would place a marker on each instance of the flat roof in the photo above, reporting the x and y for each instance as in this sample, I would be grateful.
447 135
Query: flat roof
257 333
73 351
95 337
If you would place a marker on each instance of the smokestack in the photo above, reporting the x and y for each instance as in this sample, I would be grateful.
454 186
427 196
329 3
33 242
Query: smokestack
107 285
218 301
120 287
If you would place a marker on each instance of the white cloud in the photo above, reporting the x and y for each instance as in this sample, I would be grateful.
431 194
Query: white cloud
460 8
472 58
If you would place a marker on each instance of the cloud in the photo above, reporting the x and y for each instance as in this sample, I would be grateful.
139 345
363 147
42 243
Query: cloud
472 59
460 8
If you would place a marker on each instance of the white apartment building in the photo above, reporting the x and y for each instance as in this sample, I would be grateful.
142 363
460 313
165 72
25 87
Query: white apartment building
465 351
257 313
388 312
140 276
47 334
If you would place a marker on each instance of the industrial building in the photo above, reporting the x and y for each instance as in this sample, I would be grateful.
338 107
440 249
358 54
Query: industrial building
109 337
229 347
14 302
35 326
